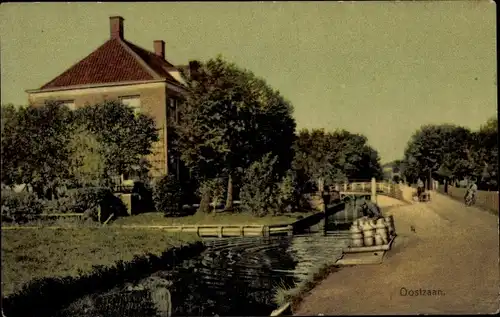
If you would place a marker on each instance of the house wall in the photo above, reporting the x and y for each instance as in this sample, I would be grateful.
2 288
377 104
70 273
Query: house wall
154 97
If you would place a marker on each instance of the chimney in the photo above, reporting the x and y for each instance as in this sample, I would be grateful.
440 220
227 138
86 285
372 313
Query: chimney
194 66
159 46
116 27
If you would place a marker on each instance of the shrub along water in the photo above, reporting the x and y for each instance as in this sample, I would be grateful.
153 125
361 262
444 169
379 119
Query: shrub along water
264 192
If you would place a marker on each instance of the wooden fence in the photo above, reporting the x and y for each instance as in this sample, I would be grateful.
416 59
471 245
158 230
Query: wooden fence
385 188
485 199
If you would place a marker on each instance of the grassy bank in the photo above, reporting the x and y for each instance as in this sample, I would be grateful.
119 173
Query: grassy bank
223 218
294 295
30 254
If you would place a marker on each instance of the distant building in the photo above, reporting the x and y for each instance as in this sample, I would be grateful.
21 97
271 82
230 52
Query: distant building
120 70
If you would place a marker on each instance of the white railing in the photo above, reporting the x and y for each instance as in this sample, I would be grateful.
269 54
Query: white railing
389 189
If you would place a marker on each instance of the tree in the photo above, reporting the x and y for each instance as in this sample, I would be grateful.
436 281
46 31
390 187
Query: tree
485 152
439 150
10 154
315 158
86 161
334 156
35 146
231 118
261 188
167 196
125 138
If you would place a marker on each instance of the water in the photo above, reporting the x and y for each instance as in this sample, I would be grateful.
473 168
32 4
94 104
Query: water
234 276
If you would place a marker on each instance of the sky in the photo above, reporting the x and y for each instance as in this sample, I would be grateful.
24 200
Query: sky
382 69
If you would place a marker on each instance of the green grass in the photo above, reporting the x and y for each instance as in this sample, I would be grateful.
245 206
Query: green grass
294 295
222 218
38 253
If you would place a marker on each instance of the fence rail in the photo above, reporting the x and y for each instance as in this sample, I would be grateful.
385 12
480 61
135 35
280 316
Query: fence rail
386 188
484 199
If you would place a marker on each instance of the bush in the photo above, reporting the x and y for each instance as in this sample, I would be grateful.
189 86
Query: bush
287 196
168 195
87 201
260 188
210 191
144 194
20 207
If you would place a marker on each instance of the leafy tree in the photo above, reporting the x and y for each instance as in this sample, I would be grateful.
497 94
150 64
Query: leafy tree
35 146
10 154
335 156
230 119
125 138
314 157
485 152
439 150
260 187
87 162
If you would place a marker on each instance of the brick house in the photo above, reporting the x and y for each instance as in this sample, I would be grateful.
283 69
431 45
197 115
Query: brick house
121 70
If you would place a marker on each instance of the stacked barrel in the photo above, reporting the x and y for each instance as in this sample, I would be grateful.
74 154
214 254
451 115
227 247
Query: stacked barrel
367 232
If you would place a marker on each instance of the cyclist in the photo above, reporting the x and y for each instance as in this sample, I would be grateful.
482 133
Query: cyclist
471 191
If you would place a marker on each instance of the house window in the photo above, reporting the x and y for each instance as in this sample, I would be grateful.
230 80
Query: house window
68 103
133 102
172 110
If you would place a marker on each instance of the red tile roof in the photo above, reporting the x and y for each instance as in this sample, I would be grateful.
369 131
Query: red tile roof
115 61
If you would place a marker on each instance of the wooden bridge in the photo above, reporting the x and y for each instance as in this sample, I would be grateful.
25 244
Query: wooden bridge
373 187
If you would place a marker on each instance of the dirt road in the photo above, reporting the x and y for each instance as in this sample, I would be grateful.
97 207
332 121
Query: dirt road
449 265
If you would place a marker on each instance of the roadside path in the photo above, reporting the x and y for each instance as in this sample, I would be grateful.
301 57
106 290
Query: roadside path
454 252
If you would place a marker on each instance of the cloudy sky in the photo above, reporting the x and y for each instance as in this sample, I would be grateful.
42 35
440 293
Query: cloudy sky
378 68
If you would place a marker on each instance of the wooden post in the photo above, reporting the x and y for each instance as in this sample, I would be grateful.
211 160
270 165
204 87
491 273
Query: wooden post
219 233
242 232
99 213
363 186
109 218
321 186
374 191
345 187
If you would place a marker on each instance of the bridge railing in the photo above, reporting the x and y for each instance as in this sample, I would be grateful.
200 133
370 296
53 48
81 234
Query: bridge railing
386 188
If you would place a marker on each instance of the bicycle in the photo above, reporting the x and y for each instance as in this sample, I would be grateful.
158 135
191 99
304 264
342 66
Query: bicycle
470 199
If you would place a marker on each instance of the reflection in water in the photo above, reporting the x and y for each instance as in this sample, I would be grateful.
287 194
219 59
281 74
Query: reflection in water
234 276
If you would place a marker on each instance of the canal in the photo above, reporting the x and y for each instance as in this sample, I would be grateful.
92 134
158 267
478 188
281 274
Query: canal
233 277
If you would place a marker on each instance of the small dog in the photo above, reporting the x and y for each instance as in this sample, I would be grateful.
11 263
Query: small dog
412 228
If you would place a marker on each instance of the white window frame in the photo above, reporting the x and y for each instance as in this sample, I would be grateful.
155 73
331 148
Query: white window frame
126 101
